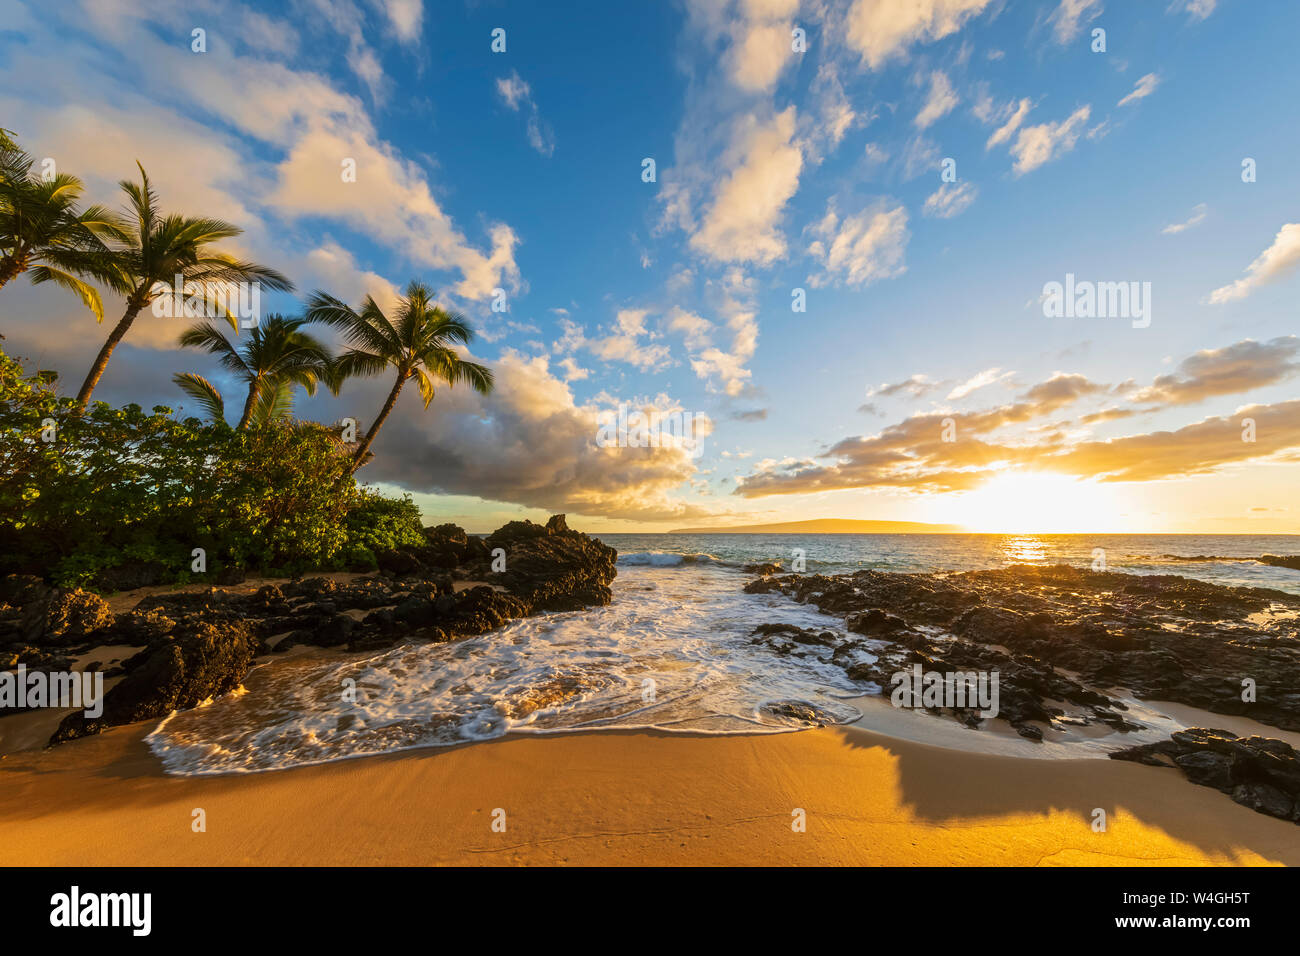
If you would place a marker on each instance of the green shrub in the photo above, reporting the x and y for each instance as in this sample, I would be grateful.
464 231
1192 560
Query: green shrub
120 495
376 524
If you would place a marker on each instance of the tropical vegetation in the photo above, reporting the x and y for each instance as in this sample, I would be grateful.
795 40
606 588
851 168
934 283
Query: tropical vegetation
117 497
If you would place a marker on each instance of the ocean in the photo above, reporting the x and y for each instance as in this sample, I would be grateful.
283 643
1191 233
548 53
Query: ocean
671 653
1235 554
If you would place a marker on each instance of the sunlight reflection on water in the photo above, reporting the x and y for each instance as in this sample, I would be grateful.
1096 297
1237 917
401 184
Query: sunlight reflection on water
1024 549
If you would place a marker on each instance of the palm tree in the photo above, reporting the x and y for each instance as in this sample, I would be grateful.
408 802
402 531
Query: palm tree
42 232
416 343
274 403
277 357
157 249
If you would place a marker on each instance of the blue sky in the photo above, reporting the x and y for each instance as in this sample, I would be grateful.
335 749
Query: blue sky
776 170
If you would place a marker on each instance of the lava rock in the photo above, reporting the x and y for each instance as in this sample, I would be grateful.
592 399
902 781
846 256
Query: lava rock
1262 773
60 617
202 662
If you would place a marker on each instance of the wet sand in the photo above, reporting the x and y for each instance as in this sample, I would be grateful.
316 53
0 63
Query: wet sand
616 798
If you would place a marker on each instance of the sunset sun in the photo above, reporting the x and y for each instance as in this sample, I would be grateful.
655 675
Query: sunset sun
1042 503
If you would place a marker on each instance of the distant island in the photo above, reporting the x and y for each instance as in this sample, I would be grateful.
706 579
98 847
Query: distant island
831 526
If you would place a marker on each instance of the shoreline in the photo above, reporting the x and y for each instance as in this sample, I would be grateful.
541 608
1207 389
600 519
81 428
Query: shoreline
891 788
624 797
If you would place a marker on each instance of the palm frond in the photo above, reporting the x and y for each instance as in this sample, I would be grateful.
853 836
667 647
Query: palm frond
274 402
356 363
208 337
87 293
204 393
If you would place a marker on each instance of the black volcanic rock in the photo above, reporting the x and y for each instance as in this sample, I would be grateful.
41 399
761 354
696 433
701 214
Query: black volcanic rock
1160 637
58 617
1291 561
552 568
1262 773
874 622
198 645
203 661
515 532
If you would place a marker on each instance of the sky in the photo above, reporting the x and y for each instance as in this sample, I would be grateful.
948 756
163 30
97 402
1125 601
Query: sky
823 235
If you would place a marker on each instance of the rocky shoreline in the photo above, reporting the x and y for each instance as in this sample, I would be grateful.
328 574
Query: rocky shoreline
1061 635
1068 644
196 646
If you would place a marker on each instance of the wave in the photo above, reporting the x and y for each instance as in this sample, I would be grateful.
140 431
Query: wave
678 657
672 559
1291 561
668 559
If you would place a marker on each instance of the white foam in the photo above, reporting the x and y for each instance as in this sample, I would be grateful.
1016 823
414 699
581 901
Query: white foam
666 558
683 636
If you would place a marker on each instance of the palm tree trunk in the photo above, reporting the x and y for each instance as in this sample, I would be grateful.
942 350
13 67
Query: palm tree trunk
253 389
101 360
360 456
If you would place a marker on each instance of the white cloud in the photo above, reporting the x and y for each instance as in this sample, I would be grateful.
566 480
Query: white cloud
391 201
1007 129
762 43
514 90
723 370
1036 145
949 200
531 444
978 381
518 95
940 101
572 373
760 53
406 17
630 342
540 136
1070 15
984 108
572 338
1198 214
881 29
331 266
1196 9
860 249
920 156
742 224
307 126
695 329
1144 88
268 34
348 20
1276 262
832 115
918 386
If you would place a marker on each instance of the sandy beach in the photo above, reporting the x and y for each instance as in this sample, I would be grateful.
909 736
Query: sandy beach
621 798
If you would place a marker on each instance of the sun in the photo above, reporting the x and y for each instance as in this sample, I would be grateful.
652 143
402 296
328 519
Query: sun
1042 503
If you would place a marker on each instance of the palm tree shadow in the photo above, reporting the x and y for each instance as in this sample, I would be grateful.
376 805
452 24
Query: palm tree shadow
940 786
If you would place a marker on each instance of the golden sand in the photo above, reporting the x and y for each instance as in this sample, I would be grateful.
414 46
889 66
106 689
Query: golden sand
626 798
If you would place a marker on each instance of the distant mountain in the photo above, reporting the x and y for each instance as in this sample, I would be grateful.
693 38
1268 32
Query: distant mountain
831 526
